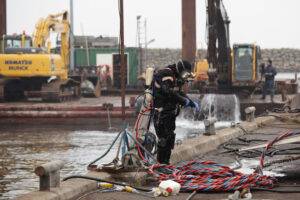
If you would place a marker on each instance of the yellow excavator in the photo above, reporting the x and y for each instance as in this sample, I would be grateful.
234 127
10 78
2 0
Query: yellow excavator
28 68
243 67
228 69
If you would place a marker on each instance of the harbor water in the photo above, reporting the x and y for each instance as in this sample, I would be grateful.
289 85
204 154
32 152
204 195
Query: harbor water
24 148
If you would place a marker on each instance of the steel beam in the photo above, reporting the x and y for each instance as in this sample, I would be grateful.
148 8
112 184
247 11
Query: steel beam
72 67
2 17
188 30
122 58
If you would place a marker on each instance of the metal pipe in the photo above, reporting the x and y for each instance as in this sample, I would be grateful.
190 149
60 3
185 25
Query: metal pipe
65 114
71 36
146 44
86 46
59 108
122 58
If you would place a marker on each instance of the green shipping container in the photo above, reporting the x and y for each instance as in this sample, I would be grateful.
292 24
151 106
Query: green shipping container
108 56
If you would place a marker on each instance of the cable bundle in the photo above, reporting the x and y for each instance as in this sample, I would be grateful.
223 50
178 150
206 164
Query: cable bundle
209 176
286 134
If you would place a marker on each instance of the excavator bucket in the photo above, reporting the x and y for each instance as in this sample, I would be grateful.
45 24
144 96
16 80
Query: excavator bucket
90 81
97 91
91 87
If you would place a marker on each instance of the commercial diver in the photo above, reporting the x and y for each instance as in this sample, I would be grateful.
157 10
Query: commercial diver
168 98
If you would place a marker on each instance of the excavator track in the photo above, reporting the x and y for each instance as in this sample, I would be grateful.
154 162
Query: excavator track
2 85
60 91
11 89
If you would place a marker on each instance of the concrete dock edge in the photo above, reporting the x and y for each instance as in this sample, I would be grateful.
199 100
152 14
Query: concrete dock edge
195 147
189 149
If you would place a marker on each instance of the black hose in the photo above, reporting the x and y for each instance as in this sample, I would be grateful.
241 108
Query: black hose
242 128
288 185
106 152
232 146
250 140
276 190
281 161
107 181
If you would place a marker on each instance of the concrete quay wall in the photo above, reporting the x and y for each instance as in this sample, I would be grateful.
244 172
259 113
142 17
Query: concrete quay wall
189 149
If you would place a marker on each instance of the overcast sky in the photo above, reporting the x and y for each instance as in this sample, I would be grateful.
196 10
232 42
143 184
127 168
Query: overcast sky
270 23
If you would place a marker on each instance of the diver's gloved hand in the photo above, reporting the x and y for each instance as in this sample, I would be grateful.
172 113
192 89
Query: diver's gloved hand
192 104
195 105
187 103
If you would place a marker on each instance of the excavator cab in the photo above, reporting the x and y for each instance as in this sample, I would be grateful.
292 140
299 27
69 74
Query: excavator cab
245 64
14 44
16 41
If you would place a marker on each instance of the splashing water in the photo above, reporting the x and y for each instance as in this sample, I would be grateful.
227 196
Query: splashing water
226 108
223 107
237 111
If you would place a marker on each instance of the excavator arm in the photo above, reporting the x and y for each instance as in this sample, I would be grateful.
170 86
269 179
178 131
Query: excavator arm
58 23
218 55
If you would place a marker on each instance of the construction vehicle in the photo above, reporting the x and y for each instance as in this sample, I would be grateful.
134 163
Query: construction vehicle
227 69
28 68
232 74
200 70
15 40
234 78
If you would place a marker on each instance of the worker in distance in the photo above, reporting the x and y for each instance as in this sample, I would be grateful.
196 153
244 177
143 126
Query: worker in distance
168 98
269 74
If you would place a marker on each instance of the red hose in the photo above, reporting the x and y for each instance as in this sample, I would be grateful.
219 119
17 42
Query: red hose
269 145
137 133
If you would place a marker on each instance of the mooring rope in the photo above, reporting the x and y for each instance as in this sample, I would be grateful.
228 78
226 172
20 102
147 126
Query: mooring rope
208 176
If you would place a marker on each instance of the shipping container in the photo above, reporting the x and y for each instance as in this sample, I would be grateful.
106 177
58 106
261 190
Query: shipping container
109 58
